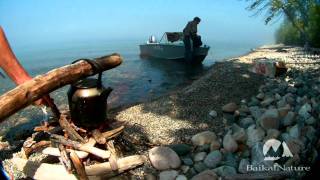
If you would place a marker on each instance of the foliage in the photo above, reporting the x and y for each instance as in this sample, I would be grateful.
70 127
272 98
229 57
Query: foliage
301 19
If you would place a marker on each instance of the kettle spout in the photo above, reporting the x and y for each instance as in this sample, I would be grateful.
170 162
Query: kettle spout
106 93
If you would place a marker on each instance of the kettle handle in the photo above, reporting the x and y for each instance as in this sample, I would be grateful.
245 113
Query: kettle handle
96 68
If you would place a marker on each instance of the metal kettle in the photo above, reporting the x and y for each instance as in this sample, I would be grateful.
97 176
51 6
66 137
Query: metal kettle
88 102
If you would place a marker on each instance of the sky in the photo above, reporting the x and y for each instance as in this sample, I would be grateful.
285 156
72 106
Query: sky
47 21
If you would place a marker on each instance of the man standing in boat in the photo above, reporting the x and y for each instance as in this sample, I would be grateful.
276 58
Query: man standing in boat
190 33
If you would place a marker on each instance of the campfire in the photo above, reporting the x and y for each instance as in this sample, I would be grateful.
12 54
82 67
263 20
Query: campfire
82 152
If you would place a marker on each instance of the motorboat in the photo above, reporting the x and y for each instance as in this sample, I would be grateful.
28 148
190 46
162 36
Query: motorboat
171 47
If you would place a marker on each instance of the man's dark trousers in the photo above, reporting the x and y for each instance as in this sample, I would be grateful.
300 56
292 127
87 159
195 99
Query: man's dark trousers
187 47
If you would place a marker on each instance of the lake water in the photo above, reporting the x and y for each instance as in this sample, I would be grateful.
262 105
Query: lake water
135 80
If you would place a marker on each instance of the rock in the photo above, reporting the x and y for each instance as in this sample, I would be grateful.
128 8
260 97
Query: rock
168 175
187 161
257 156
206 175
255 111
230 159
289 119
254 135
215 145
229 144
213 159
203 148
225 171
191 173
295 146
267 102
181 177
230 107
254 102
150 177
243 166
305 110
291 89
200 166
285 136
244 110
239 133
246 122
228 118
163 158
277 96
310 133
184 168
202 138
181 149
272 134
270 119
281 103
199 156
311 121
294 131
213 114
284 111
260 96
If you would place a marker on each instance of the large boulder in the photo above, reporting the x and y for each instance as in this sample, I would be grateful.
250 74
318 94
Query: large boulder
163 158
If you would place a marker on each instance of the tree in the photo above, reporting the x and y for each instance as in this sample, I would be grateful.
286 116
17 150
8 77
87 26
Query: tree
295 11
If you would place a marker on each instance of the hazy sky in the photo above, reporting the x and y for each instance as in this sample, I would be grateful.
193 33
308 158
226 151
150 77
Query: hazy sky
46 21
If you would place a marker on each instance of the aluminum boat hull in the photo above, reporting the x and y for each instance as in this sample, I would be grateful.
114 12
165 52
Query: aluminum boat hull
172 51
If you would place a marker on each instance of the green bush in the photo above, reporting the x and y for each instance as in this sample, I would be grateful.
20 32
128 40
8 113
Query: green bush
289 35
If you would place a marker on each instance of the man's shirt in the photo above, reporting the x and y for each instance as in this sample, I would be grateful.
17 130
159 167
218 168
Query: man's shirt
190 29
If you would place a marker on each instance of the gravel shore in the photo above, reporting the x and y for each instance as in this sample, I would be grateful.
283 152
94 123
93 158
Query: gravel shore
179 115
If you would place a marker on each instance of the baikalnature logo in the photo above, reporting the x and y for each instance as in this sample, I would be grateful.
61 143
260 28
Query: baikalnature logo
274 144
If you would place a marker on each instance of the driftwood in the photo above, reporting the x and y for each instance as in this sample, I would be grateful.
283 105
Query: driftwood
28 150
97 135
78 146
46 171
113 133
123 164
72 134
34 89
113 156
64 158
54 172
78 165
55 152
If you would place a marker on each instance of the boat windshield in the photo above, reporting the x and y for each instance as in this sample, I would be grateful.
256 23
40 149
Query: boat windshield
172 37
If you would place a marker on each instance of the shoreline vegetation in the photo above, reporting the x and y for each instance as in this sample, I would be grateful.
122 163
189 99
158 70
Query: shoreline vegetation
224 109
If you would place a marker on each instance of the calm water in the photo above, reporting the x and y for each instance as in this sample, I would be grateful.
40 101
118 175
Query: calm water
135 80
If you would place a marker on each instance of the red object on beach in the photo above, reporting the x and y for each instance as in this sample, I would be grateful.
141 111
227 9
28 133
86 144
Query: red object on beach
10 64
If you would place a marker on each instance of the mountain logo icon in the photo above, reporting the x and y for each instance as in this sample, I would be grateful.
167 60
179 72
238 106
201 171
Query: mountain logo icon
275 144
